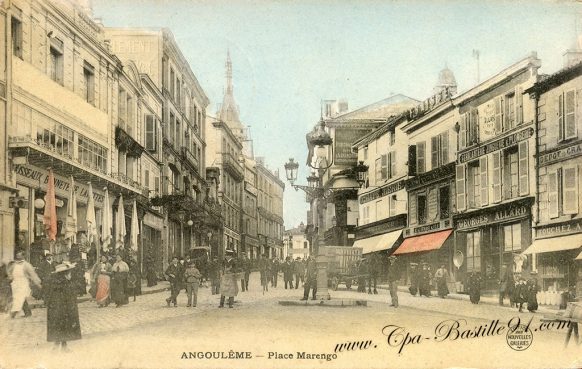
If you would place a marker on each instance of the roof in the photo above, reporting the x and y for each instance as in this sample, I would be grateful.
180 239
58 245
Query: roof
390 123
547 82
382 109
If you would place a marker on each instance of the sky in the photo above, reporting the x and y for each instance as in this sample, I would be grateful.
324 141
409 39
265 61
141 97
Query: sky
289 55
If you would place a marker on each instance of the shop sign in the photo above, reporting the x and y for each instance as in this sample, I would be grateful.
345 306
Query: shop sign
559 229
382 191
496 145
37 178
569 152
343 140
496 216
434 175
428 228
381 227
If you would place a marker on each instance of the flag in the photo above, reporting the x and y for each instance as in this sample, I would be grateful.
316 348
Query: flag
50 208
71 223
106 221
134 227
120 231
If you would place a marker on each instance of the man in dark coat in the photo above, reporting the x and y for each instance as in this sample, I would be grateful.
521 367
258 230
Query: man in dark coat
44 271
474 287
520 293
299 271
275 267
174 273
214 275
362 274
288 269
310 279
264 266
393 278
62 312
441 276
413 279
504 283
424 281
245 265
374 266
532 292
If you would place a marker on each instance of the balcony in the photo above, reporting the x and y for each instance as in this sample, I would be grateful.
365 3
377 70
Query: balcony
124 142
231 165
189 158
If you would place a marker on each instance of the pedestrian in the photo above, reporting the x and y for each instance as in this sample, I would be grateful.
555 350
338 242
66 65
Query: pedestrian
102 281
442 276
310 279
5 291
374 266
120 270
192 281
520 293
21 273
424 281
288 269
44 271
299 271
264 265
78 276
62 312
150 268
228 280
393 278
245 265
532 292
275 268
474 287
214 275
362 274
174 273
504 275
133 280
414 279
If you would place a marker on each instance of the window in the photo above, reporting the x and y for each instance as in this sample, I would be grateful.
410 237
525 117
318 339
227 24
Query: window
122 108
563 197
422 208
16 37
474 184
89 82
130 115
53 135
365 152
439 150
469 129
172 127
444 202
172 83
512 237
474 251
366 215
92 155
150 133
510 173
392 136
56 60
178 92
420 157
567 115
509 111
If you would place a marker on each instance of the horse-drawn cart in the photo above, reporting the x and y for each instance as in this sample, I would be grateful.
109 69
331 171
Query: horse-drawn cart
342 266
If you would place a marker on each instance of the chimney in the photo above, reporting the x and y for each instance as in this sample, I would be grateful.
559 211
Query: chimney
573 55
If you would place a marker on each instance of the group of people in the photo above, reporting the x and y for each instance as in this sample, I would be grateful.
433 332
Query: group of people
114 280
421 280
519 290
58 289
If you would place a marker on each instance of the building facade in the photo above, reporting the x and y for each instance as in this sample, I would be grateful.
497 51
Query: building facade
270 210
558 230
296 244
250 236
495 173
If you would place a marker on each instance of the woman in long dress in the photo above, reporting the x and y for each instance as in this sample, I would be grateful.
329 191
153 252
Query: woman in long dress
21 273
62 312
102 278
120 270
441 276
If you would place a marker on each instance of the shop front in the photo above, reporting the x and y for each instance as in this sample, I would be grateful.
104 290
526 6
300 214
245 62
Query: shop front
491 237
556 247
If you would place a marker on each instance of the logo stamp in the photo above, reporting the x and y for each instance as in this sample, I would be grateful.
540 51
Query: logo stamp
520 338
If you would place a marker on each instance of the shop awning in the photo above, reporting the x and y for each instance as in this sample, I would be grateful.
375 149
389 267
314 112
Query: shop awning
378 243
569 242
426 242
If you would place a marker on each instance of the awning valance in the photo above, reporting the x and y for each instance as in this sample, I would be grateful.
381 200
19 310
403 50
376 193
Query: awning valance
563 243
425 242
378 243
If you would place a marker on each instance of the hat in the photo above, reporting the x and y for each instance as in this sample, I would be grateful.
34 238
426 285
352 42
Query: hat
64 267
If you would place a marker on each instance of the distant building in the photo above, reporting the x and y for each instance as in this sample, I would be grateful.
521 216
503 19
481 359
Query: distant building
295 243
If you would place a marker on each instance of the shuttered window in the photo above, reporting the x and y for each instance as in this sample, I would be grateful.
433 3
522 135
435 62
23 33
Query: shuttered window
463 131
444 146
420 157
498 115
412 209
378 164
460 188
484 181
570 115
570 198
473 127
553 198
496 178
518 105
150 133
384 166
523 169
392 160
434 152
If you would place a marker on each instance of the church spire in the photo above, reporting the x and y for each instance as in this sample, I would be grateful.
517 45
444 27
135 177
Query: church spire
228 112
228 73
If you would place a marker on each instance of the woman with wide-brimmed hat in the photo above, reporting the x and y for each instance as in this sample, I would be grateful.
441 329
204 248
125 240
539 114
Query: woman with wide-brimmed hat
62 313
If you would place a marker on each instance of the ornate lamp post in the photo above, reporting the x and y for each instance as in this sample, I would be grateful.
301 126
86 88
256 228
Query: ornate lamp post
320 141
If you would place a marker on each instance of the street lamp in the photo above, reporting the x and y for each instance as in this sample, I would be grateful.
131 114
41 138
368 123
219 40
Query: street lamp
318 142
360 170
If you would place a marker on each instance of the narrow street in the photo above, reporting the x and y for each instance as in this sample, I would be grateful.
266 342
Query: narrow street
148 334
